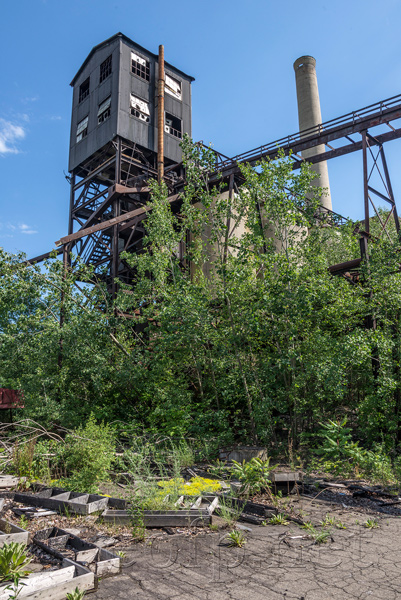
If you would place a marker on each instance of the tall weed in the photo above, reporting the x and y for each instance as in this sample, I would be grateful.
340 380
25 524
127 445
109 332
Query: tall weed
89 453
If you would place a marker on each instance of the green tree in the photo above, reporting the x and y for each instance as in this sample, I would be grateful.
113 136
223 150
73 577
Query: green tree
239 330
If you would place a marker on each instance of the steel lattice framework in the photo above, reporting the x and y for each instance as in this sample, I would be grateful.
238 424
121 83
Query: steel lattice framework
109 193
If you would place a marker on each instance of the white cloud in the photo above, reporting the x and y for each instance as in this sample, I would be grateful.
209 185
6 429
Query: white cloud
15 229
10 134
27 229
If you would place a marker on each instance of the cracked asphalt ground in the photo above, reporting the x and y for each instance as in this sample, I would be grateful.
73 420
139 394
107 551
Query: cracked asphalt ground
277 562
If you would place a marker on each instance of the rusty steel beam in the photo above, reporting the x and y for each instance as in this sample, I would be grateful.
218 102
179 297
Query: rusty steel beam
160 117
133 222
41 257
96 213
137 163
95 172
322 134
365 181
107 224
114 192
379 194
348 265
390 189
349 148
79 205
120 189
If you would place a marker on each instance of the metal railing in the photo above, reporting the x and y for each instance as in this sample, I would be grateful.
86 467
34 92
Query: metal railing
352 118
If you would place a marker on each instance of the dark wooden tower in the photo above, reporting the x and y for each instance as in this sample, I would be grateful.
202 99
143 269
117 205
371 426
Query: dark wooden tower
114 148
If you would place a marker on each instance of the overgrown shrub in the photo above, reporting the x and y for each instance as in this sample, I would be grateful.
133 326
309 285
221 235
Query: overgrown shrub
261 345
343 455
89 453
253 475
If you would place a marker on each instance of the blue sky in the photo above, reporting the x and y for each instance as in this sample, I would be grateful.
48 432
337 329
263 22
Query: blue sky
241 55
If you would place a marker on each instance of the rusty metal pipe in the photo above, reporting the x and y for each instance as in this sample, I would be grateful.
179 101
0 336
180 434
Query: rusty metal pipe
160 118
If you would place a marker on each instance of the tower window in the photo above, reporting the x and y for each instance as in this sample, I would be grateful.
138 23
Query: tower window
105 69
104 110
173 87
140 66
140 109
84 90
82 129
173 125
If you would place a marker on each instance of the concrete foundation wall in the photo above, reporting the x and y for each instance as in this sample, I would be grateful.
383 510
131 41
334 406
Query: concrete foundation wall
212 249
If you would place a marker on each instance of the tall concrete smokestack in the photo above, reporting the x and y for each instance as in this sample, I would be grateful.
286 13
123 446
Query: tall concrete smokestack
309 115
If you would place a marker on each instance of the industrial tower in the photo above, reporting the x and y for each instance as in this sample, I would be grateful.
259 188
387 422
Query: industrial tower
116 145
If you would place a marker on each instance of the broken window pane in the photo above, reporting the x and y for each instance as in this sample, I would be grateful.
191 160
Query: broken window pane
105 69
82 129
173 87
104 110
140 66
140 109
173 125
84 90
